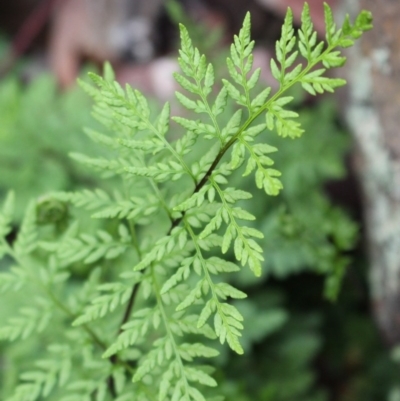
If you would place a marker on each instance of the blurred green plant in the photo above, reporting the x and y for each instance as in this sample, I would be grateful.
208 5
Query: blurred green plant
39 126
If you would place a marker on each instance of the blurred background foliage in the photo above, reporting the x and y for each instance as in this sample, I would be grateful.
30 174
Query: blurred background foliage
39 126
298 345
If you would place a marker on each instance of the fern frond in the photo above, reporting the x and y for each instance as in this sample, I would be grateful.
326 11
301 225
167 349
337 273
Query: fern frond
115 167
227 319
131 109
26 241
13 280
177 378
105 206
200 81
32 319
90 248
163 247
112 296
134 331
240 64
48 374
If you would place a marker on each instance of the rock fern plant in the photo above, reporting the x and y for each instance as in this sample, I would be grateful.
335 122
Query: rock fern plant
142 325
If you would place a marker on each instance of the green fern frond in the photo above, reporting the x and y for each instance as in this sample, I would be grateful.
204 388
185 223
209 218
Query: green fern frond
112 296
13 280
32 319
26 241
159 248
48 374
90 248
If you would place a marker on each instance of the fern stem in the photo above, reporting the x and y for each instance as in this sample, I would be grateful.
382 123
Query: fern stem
129 306
135 242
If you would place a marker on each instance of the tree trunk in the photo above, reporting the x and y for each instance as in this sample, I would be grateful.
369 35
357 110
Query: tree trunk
373 114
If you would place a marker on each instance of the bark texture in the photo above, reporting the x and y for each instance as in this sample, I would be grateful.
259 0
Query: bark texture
373 114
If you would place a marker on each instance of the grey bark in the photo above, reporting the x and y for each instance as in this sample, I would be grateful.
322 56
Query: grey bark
373 113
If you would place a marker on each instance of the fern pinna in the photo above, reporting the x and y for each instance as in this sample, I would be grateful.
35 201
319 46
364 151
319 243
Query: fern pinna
142 326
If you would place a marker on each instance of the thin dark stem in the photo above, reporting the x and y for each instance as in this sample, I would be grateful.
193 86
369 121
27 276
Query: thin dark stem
129 306
202 182
111 384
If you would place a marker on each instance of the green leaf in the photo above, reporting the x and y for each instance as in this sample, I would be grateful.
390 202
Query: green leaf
26 241
275 70
181 274
233 92
260 99
330 25
162 124
112 296
220 102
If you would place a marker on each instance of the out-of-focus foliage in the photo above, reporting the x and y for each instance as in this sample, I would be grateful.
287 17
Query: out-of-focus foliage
39 127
